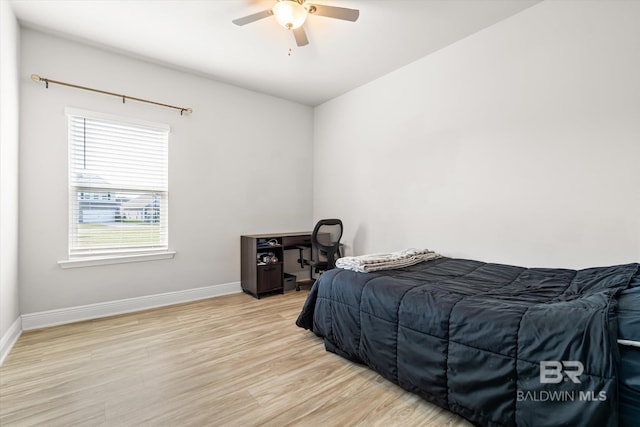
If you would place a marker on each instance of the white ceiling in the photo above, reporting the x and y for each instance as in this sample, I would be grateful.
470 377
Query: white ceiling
198 36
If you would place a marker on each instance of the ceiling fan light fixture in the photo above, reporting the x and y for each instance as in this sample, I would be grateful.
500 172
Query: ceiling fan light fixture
290 14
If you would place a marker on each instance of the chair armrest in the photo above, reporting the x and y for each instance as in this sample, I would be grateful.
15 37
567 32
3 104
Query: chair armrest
303 262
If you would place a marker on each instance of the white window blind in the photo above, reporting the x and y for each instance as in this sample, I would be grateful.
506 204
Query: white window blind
118 186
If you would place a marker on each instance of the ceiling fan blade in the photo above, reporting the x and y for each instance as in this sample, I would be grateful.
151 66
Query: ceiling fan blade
300 36
335 12
252 18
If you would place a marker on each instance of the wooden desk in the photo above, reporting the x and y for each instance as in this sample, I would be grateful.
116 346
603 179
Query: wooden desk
259 278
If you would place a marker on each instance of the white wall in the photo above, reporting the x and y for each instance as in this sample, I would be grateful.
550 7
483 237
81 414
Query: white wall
519 144
9 48
239 164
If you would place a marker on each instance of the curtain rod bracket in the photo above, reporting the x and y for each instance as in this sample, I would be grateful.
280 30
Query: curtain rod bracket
37 78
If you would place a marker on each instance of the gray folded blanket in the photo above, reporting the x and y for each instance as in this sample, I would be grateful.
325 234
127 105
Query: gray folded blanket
386 261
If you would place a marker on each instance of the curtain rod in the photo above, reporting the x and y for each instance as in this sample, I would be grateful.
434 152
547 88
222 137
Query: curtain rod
37 78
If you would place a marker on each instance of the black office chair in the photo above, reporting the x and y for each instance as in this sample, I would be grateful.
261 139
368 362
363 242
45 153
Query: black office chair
325 246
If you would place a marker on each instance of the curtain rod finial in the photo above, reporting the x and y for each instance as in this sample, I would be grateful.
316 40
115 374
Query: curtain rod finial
189 110
36 78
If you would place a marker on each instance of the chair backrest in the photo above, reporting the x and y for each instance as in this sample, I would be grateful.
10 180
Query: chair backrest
325 241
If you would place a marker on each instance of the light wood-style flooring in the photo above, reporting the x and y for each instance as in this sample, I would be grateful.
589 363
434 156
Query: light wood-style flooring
226 361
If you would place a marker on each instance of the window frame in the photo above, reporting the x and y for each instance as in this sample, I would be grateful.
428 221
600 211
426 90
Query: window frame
122 254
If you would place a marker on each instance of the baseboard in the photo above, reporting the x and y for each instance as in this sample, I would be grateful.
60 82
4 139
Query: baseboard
9 338
62 316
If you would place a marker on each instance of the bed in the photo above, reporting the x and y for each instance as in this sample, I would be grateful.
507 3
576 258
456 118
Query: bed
500 345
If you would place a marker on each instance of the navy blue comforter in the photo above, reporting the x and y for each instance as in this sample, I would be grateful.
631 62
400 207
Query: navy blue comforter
500 345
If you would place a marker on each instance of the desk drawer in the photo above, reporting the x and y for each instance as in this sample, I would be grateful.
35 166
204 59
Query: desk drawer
269 277
302 240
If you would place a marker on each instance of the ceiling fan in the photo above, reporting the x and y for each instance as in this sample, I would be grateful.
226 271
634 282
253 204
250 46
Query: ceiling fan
291 14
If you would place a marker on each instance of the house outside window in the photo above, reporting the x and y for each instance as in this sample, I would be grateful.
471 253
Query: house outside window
118 185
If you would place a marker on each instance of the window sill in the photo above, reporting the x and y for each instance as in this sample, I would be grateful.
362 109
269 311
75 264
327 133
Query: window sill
117 259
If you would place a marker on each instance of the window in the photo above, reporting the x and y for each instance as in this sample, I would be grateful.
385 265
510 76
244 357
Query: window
118 190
